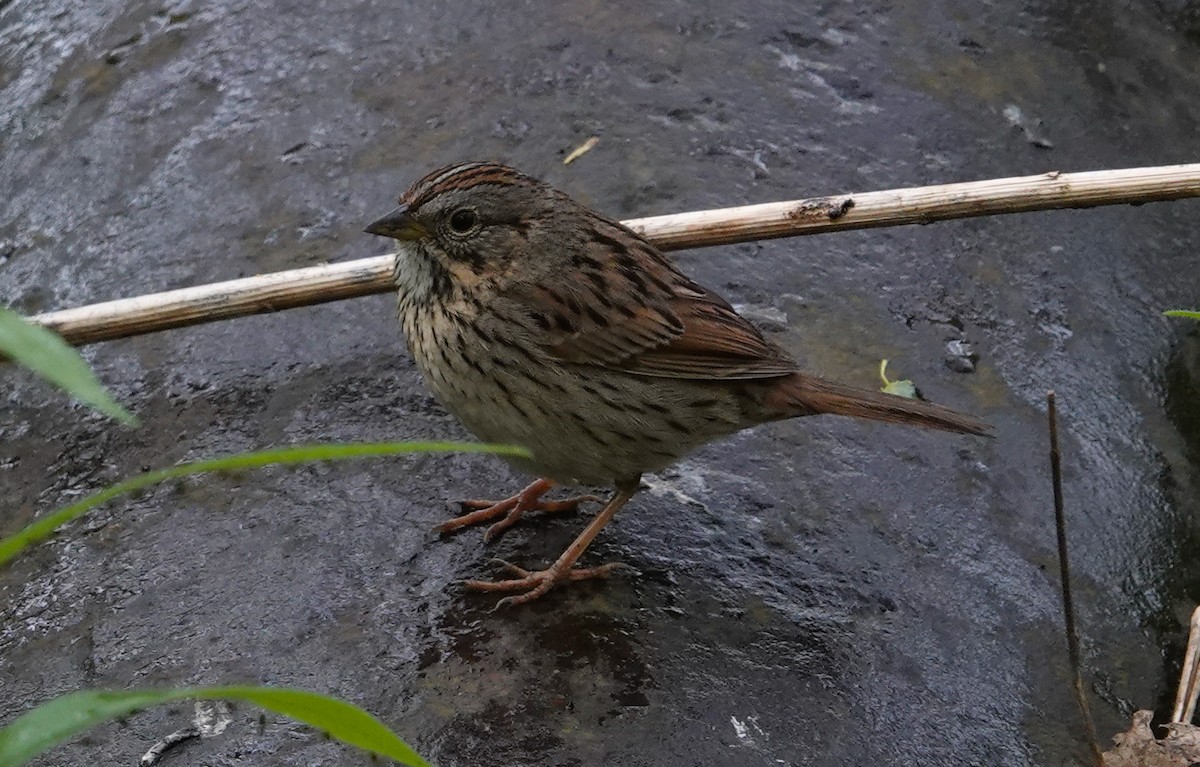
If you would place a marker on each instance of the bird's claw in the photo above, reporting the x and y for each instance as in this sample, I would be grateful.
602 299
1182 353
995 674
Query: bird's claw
510 510
535 583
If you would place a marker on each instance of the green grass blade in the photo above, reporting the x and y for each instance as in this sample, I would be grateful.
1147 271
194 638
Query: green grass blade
46 354
283 456
1183 313
48 725
344 721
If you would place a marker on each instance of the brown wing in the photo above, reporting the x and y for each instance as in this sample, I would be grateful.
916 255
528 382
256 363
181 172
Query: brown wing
622 305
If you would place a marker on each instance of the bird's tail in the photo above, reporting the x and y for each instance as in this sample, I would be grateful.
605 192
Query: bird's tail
801 394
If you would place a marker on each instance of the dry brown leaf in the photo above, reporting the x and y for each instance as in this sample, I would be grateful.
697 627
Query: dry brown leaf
1137 746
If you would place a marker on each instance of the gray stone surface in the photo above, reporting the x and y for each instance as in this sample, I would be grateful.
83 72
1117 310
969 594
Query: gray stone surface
813 593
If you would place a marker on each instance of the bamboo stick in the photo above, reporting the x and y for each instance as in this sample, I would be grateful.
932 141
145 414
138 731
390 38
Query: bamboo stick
260 294
920 205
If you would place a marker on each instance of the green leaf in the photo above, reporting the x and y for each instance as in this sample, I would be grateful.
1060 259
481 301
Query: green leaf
46 354
1183 313
284 456
903 388
39 730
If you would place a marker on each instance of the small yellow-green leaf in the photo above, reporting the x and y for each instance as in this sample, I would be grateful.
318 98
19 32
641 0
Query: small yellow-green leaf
46 354
899 388
1183 313
284 456
48 725
902 388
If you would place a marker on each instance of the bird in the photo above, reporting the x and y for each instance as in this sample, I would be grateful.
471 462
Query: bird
542 323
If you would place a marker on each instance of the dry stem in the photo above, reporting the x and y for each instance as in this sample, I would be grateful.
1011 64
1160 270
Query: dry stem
303 287
1189 676
1064 565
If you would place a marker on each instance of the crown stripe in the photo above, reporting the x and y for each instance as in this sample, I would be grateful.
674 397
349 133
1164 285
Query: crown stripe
459 177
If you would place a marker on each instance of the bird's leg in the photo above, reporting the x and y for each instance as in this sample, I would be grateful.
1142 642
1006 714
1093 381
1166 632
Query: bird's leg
511 509
538 582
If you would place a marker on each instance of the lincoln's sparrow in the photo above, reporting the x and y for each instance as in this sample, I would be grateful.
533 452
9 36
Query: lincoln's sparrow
542 323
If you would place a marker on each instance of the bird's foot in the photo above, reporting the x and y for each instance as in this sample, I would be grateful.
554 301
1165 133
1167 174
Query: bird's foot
537 582
510 509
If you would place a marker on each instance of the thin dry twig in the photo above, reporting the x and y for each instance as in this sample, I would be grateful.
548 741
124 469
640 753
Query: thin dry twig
1189 676
304 287
1060 525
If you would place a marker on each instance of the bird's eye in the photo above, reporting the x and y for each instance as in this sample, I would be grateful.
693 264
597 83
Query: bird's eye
463 220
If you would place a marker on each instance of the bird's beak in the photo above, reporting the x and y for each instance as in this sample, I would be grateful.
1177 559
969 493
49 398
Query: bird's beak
399 225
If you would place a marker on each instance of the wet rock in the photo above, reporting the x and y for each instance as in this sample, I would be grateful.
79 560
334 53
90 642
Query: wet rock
845 593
